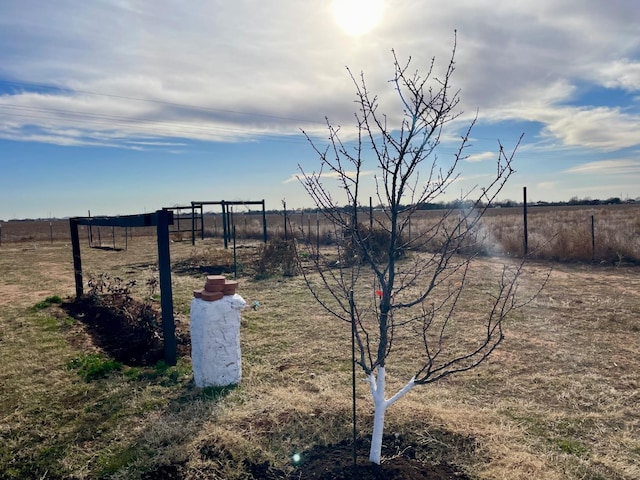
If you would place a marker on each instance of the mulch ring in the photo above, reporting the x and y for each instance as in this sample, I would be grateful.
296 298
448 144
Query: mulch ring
335 462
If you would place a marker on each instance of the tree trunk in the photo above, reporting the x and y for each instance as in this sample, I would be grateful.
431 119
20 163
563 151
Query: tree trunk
380 408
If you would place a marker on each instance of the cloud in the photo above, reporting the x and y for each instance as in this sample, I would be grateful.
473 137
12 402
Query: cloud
623 73
349 173
481 157
601 128
546 185
607 167
222 71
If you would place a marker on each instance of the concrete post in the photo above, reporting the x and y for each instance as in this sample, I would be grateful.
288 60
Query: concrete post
215 341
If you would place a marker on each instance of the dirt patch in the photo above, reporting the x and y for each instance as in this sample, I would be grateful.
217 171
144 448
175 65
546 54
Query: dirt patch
18 295
332 462
335 462
125 337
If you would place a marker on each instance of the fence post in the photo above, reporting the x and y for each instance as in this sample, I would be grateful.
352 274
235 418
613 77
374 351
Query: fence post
90 230
166 293
225 225
235 257
77 262
264 222
193 224
524 210
370 215
284 207
593 239
201 221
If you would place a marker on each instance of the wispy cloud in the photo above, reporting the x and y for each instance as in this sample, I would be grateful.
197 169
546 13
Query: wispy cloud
481 157
607 167
296 177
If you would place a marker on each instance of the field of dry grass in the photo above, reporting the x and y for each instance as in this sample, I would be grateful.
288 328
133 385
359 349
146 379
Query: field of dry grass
554 233
558 400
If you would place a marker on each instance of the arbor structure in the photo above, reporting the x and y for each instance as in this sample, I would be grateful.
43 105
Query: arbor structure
414 279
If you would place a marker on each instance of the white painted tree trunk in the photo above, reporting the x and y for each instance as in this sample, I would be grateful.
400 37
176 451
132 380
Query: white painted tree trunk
380 407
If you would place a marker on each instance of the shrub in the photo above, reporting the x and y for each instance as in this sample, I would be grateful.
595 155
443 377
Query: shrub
277 257
374 241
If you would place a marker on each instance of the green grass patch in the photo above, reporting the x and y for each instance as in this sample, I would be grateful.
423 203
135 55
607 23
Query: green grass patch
109 463
46 303
94 366
570 446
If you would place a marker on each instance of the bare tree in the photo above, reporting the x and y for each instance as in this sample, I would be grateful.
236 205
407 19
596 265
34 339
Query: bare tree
417 278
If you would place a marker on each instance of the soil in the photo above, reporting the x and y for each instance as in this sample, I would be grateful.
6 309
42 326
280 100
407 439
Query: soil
134 339
335 462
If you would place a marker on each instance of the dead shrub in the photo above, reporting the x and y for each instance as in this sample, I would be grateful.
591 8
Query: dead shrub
374 242
277 257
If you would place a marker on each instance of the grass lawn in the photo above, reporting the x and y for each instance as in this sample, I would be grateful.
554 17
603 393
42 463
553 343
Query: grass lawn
557 400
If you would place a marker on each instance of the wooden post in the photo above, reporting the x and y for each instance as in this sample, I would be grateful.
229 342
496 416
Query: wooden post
201 221
235 258
593 238
166 293
193 224
77 262
113 236
264 223
526 233
225 225
353 378
284 207
90 230
370 215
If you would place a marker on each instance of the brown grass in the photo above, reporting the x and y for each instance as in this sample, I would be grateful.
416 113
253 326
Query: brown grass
554 233
558 400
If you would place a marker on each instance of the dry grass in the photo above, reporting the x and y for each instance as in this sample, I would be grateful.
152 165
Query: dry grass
558 400
554 233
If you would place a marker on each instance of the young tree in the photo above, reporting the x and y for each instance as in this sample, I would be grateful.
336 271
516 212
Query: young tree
417 277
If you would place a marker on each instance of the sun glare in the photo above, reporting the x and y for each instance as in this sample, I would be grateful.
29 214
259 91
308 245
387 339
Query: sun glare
357 17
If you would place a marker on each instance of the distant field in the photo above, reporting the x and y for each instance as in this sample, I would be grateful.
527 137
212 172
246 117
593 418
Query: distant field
554 233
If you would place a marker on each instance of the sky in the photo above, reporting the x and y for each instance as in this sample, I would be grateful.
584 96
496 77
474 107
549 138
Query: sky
126 106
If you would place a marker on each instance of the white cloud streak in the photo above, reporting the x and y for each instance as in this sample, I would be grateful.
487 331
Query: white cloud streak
296 177
607 167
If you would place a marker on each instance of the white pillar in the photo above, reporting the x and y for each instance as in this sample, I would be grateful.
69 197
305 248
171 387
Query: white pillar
215 341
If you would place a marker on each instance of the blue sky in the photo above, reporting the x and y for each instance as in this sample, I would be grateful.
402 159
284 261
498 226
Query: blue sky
127 106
